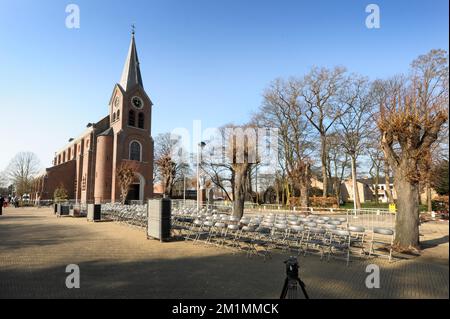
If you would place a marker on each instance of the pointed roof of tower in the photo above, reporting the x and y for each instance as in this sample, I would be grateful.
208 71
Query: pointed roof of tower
131 74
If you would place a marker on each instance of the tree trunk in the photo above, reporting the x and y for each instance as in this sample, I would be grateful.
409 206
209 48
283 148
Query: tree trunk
419 197
277 191
387 183
337 185
429 204
288 193
377 181
355 184
407 217
338 194
241 171
305 186
323 157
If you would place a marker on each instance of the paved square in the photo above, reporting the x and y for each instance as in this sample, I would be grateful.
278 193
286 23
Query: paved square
118 262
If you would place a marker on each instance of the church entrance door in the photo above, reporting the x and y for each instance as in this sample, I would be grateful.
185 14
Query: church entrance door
133 193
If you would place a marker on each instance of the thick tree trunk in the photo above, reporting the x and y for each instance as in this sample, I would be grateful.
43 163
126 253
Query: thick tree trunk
429 203
355 184
419 197
338 196
387 183
241 171
407 218
323 157
305 185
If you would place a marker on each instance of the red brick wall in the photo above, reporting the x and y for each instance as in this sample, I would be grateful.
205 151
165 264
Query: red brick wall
61 174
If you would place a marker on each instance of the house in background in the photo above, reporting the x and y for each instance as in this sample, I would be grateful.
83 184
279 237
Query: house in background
364 190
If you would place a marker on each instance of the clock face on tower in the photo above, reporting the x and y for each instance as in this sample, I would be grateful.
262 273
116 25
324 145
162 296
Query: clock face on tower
137 102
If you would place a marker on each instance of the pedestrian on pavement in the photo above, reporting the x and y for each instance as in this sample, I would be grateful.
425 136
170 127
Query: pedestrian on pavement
2 200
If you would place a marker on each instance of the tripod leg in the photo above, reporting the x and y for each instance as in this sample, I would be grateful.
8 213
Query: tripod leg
302 285
285 289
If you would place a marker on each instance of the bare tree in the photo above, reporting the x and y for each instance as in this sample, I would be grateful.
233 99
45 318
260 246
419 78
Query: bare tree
430 78
21 170
356 123
320 90
338 163
282 109
410 125
217 166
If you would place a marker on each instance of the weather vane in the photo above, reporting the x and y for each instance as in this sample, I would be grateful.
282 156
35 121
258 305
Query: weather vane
133 29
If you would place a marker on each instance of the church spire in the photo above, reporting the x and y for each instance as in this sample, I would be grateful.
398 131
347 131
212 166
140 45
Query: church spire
131 74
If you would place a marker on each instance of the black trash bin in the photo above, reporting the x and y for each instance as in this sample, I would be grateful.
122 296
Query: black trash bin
94 212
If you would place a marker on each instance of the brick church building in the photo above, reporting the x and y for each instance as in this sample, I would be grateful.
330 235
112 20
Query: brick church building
87 166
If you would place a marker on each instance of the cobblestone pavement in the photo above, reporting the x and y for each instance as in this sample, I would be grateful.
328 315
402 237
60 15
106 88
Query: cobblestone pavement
119 262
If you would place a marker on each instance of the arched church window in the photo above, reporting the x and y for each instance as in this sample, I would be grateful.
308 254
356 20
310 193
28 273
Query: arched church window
131 118
118 114
135 151
114 117
141 120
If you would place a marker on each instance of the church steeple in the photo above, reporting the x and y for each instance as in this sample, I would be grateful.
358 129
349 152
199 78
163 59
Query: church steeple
131 75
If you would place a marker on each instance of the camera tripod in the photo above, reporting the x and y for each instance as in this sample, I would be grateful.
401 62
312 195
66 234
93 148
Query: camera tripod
292 281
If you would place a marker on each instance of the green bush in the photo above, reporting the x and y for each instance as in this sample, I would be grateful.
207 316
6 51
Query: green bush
60 195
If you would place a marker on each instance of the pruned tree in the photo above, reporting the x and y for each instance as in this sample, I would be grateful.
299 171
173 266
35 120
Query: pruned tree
125 177
242 154
21 170
410 122
382 90
170 163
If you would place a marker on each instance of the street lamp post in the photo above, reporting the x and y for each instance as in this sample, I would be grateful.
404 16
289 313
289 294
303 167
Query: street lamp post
201 145
184 190
355 185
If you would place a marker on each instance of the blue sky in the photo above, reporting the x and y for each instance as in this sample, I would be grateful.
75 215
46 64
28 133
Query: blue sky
200 60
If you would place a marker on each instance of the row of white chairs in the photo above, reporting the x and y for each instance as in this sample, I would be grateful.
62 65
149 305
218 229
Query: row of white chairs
130 215
327 235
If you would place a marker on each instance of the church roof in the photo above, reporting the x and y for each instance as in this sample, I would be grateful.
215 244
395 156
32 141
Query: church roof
108 132
131 75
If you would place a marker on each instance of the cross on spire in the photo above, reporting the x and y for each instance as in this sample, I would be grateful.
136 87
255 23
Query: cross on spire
133 29
131 74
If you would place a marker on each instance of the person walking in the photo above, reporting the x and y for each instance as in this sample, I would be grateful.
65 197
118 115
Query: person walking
2 200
